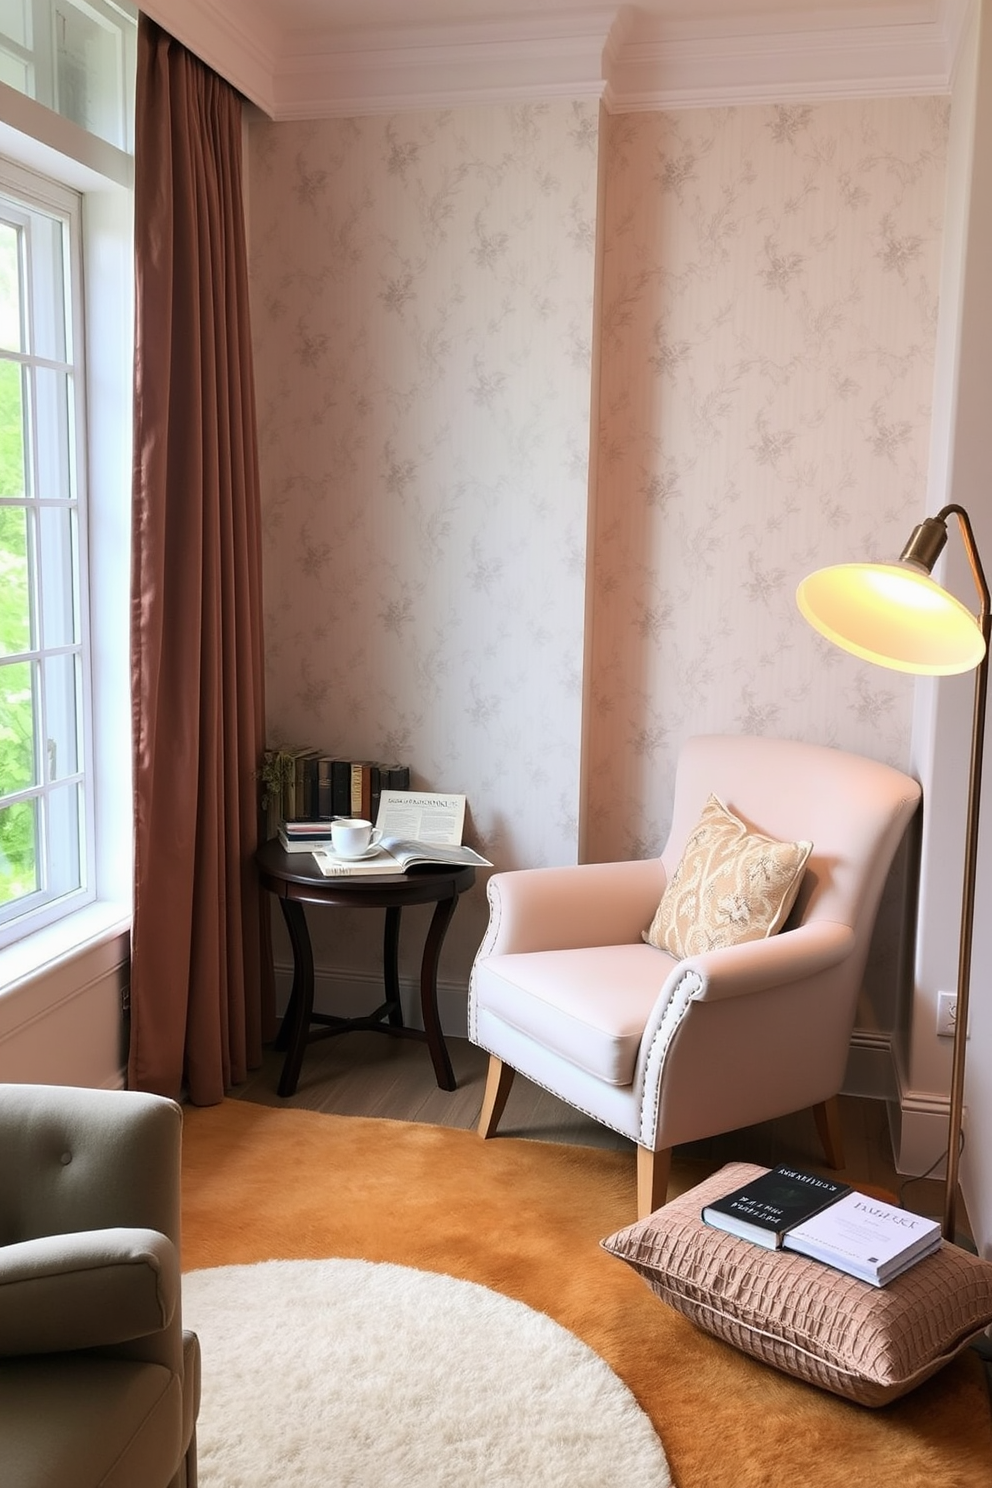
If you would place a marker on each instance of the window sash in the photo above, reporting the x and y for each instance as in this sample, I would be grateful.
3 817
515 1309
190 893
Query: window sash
55 662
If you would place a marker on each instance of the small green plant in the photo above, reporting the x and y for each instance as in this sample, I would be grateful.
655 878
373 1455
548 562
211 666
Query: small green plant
274 774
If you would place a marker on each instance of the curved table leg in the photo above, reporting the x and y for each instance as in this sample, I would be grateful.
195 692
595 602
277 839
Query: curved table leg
390 964
297 1019
440 1059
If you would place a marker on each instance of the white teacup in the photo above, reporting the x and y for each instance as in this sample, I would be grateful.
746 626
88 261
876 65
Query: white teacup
351 837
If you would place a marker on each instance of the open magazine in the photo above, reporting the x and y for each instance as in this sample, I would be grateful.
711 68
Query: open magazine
394 855
420 829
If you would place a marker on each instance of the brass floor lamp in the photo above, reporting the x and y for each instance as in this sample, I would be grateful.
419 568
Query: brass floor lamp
895 614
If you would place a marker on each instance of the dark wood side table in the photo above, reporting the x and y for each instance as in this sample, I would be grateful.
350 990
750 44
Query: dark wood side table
296 880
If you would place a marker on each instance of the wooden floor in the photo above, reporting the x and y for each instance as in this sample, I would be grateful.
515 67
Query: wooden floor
368 1074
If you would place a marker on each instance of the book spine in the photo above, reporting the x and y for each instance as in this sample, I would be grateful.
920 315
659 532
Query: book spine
288 804
361 789
341 787
325 808
398 778
378 774
310 786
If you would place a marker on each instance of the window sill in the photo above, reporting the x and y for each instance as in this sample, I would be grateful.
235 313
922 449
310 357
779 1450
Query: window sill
47 950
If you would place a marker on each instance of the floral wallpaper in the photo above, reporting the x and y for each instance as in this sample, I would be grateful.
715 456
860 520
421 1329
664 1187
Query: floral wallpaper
423 315
753 366
768 327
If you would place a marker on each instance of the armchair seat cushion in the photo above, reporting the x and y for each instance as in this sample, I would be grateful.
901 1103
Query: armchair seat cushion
82 1419
588 1006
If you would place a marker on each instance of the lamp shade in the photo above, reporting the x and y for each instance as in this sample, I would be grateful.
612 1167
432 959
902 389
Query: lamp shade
893 614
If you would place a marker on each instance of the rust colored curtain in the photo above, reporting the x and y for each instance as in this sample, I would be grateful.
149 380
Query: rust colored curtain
196 630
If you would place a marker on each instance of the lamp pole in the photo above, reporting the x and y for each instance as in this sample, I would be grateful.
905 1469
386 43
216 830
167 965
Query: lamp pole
956 1110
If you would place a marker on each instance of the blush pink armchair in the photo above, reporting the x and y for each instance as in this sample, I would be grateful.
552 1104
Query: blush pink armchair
565 990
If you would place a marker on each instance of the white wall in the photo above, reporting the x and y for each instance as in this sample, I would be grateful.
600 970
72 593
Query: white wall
960 472
61 1022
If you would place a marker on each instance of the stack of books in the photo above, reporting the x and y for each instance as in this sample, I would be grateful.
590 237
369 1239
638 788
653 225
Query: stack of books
303 784
790 1209
304 836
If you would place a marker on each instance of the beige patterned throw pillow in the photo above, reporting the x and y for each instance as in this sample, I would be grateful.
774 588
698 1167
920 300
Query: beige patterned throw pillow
731 885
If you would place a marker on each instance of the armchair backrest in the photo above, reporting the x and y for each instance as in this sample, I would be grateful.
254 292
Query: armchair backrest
79 1159
854 810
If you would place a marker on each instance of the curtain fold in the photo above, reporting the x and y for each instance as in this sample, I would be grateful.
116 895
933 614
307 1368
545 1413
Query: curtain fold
197 1007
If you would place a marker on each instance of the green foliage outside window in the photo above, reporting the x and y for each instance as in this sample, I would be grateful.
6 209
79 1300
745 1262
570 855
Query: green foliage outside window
17 825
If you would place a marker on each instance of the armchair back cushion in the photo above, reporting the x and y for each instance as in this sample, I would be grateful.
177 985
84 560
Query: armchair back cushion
789 790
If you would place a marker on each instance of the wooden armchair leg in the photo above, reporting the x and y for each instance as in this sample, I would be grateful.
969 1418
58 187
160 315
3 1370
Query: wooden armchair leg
498 1082
653 1169
827 1117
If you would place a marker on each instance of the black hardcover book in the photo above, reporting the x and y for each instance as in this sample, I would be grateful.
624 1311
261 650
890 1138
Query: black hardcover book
341 787
377 773
311 785
764 1209
325 807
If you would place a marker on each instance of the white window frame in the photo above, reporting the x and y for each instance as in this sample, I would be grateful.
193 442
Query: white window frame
23 190
59 960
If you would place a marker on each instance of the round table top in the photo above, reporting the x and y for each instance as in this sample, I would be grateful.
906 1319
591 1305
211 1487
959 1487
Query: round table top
296 876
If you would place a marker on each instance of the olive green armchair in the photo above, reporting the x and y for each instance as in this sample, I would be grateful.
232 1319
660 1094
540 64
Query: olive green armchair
99 1385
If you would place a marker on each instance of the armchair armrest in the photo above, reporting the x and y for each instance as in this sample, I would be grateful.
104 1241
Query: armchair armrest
88 1289
587 904
791 956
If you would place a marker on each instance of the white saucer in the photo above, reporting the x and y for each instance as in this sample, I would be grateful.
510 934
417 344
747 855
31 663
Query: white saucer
369 852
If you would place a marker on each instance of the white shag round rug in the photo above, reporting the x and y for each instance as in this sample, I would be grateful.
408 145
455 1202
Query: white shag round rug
350 1374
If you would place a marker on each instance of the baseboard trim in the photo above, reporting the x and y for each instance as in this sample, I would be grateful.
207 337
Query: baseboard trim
917 1118
918 1124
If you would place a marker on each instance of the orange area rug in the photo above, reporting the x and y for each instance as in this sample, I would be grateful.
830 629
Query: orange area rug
525 1218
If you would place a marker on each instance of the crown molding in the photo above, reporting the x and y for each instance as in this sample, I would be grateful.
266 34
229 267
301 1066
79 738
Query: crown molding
758 65
374 72
631 60
231 36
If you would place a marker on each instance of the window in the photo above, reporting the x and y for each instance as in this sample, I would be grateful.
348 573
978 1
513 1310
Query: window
46 806
74 56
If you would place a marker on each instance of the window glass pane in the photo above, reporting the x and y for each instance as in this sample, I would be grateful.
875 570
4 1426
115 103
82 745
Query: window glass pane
59 609
65 836
14 21
18 851
61 717
48 333
12 481
52 424
17 751
89 62
15 586
11 330
14 72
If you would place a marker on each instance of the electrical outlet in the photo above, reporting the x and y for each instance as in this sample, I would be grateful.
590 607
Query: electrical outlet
947 1012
